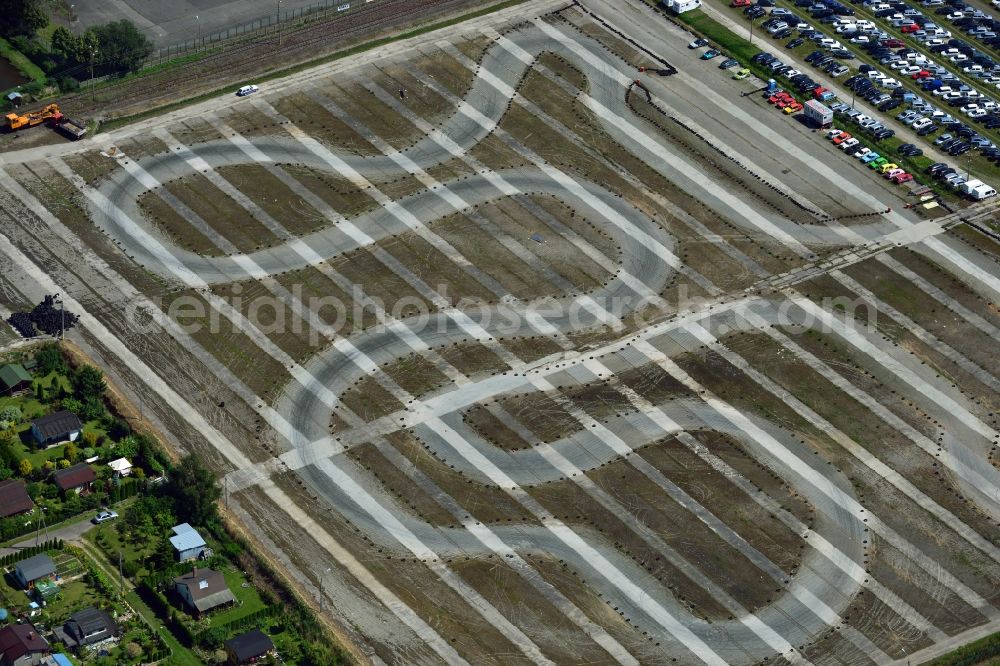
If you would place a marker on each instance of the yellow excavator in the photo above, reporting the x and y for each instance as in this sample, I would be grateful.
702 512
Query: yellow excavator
51 113
33 118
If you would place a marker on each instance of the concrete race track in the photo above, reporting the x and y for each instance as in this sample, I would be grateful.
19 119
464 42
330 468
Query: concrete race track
829 216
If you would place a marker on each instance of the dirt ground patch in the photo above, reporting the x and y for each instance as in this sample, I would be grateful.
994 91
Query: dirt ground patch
91 166
948 283
399 485
555 635
472 359
368 399
444 276
934 317
63 200
416 375
394 294
274 197
230 346
484 502
272 317
220 212
162 216
494 431
540 414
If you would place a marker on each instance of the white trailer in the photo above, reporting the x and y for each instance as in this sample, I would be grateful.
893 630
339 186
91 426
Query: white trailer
818 113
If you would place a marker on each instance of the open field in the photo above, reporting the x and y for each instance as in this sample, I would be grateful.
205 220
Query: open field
508 359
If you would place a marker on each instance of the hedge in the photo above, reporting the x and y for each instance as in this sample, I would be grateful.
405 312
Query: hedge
971 654
31 551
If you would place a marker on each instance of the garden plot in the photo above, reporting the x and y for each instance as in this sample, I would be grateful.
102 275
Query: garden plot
462 476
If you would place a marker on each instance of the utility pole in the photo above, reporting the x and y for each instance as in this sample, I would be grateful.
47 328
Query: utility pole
121 578
322 587
279 23
93 93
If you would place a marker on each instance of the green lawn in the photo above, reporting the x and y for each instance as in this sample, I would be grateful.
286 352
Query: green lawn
114 543
180 655
248 600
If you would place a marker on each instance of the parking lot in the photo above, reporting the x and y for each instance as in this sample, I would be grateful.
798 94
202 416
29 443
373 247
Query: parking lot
900 75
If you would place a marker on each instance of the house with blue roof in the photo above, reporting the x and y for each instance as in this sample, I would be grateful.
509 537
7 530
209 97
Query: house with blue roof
189 544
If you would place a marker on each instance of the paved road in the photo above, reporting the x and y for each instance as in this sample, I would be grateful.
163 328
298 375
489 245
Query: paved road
71 532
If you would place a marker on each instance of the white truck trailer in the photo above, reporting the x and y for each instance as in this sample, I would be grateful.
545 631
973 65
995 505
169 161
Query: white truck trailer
819 114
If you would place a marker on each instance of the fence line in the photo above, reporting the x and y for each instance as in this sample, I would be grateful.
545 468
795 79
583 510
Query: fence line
269 24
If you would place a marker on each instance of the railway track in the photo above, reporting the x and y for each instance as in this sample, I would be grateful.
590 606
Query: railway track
258 56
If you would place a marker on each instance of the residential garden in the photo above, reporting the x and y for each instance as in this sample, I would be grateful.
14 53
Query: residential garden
56 386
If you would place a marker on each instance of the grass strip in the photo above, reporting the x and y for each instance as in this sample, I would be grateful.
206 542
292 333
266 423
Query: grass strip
21 62
280 73
977 652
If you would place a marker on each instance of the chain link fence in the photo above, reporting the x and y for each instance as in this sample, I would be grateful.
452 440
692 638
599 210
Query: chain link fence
266 25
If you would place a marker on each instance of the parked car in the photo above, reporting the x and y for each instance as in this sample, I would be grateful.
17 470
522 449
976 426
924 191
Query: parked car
709 54
103 517
247 90
741 74
698 43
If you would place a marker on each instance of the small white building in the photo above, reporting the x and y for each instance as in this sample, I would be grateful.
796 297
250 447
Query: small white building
121 467
681 6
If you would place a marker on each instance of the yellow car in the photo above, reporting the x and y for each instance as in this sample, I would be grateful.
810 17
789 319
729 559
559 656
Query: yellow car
741 74
887 167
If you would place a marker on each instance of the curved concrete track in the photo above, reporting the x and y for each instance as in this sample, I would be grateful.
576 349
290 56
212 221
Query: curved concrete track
810 602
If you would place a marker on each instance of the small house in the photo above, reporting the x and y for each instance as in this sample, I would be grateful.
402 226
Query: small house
87 627
203 590
189 544
249 648
14 380
74 479
61 426
121 467
33 570
14 498
22 645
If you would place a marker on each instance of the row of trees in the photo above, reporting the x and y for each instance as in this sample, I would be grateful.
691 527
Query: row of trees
113 48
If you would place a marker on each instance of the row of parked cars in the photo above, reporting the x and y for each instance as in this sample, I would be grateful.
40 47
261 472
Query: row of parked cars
883 165
974 22
886 91
936 75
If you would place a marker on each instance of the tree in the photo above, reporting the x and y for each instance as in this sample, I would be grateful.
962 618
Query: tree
88 383
64 43
25 468
121 48
22 17
70 452
195 489
49 359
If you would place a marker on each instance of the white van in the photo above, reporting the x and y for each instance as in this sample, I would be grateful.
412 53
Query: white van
247 90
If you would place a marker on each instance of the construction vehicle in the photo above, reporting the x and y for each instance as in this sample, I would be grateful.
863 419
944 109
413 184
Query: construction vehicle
73 129
16 122
55 118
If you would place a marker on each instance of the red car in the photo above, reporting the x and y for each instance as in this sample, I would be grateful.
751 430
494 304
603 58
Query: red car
892 43
841 138
779 97
902 178
913 27
741 3
922 74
